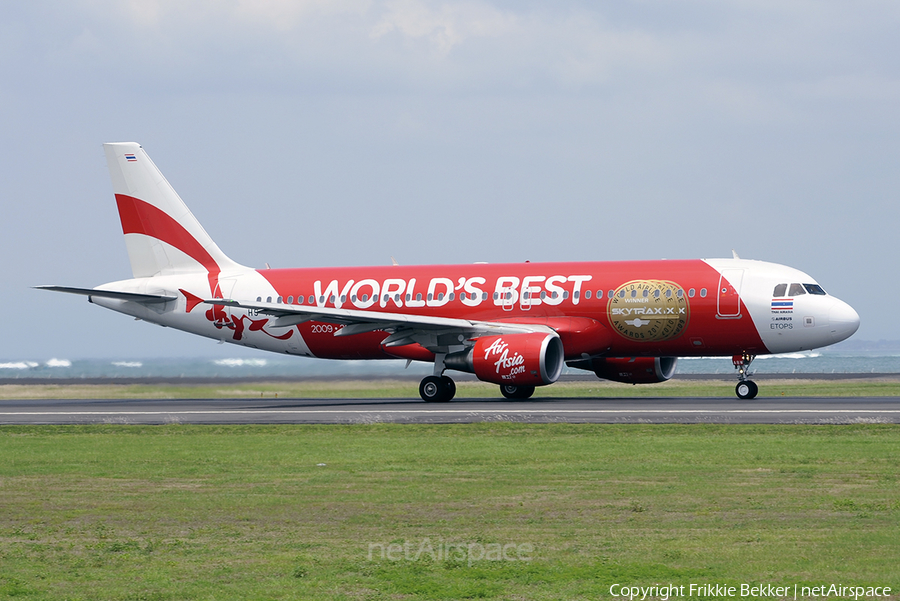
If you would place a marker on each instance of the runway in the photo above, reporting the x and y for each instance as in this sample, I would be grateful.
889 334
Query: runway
824 410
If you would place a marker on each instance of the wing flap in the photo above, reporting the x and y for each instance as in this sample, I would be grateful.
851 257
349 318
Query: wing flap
437 334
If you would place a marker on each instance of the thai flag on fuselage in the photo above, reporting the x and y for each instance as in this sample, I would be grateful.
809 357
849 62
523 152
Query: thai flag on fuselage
130 158
782 304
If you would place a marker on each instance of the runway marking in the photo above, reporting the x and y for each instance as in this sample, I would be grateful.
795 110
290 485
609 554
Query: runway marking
442 411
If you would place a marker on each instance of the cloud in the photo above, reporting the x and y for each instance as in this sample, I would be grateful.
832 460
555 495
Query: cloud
443 26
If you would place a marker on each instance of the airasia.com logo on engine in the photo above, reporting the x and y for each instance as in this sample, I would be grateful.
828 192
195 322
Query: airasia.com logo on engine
515 364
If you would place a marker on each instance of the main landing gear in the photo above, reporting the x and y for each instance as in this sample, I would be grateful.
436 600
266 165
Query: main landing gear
516 392
440 389
437 389
745 389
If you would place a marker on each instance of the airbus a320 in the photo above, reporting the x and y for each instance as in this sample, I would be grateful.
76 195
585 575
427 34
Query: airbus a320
515 325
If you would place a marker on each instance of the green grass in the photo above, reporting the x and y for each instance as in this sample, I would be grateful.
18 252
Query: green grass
247 512
465 389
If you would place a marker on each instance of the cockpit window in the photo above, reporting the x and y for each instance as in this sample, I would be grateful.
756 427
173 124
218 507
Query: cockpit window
814 289
780 289
796 290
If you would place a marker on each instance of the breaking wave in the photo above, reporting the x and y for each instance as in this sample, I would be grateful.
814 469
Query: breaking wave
19 365
241 362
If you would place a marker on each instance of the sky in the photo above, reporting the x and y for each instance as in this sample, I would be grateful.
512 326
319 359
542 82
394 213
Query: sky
314 133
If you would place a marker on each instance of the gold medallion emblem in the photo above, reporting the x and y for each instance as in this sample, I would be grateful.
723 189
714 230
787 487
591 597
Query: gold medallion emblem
649 310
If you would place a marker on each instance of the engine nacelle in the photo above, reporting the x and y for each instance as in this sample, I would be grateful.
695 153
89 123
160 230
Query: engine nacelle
635 370
532 359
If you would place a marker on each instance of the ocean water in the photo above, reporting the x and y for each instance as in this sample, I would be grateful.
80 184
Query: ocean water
818 362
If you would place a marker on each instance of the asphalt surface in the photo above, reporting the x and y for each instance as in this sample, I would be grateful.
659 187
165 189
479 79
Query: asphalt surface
826 410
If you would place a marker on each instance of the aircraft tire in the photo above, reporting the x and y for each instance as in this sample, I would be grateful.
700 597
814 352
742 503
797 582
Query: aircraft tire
516 392
746 389
450 387
433 389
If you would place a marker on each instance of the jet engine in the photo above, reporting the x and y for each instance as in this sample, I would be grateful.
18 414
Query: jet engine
635 370
533 359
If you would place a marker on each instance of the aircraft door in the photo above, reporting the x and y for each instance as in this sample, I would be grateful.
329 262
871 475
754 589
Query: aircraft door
224 290
525 300
728 298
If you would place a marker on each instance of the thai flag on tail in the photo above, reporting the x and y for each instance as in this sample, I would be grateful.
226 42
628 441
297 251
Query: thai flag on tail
130 158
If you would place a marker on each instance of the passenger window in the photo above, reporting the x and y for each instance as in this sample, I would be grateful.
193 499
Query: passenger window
703 293
691 293
780 289
796 290
290 300
587 295
814 289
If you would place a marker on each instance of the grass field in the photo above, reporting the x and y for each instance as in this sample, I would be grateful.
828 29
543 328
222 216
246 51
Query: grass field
465 389
304 512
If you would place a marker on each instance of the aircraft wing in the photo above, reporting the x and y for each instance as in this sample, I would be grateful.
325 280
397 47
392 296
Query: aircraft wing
129 296
437 334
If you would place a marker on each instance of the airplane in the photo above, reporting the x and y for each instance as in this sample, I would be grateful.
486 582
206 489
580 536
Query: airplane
515 325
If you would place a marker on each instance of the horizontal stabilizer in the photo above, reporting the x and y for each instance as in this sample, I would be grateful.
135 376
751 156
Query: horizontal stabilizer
128 296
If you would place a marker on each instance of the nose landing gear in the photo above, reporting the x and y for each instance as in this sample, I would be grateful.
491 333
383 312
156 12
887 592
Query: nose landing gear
746 388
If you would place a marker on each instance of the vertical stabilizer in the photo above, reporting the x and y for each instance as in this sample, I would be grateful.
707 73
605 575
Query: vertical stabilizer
162 235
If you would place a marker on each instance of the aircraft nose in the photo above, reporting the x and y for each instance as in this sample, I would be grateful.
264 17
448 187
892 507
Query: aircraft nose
844 321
